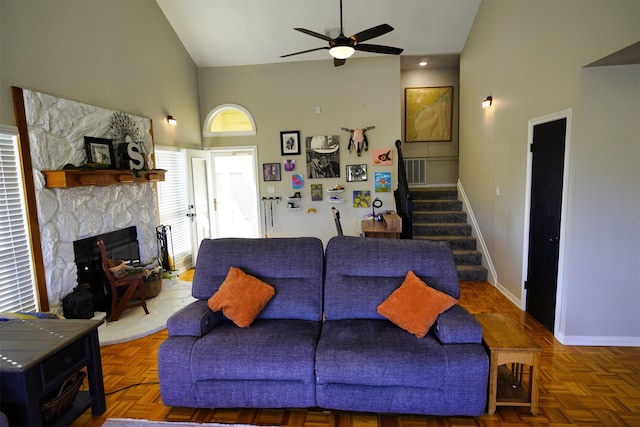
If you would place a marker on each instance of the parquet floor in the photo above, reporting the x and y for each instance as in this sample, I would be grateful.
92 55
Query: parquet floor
580 386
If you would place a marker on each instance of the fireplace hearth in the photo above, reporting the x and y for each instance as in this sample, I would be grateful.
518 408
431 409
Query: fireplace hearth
120 244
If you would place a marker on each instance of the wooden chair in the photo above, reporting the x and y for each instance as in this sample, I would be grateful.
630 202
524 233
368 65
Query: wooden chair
336 219
121 301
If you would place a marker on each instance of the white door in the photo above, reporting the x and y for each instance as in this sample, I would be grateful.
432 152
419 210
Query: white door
200 198
235 192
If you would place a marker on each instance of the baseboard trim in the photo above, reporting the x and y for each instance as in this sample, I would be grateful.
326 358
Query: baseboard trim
486 257
514 299
598 341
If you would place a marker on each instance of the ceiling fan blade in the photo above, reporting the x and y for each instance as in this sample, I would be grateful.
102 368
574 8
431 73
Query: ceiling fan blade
338 62
304 51
314 34
372 32
375 48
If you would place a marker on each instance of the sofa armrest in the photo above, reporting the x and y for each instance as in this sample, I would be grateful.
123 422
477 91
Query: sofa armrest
195 319
457 326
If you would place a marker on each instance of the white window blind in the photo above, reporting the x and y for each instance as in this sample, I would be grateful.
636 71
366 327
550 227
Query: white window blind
17 284
173 204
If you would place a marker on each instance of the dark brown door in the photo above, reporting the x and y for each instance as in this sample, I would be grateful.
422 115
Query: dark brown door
547 171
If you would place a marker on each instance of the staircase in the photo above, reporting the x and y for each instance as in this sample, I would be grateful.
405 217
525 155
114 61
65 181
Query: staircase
438 216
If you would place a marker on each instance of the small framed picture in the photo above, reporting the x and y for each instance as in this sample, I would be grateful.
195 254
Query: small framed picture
316 192
356 173
271 171
100 152
290 142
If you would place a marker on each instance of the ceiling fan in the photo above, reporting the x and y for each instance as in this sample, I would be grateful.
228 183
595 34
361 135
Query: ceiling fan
342 47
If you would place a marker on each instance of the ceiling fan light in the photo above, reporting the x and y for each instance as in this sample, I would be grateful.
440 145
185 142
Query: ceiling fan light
341 52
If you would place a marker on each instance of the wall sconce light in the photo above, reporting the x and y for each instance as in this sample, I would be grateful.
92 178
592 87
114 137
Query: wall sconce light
487 101
171 121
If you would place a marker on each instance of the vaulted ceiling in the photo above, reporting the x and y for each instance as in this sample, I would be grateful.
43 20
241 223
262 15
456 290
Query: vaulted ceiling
219 33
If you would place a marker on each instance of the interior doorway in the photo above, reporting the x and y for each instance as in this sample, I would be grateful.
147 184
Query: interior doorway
545 227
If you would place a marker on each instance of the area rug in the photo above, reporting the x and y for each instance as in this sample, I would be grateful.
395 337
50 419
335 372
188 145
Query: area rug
129 422
134 323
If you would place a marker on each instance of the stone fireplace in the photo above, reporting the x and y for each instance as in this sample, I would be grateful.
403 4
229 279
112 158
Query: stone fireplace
57 128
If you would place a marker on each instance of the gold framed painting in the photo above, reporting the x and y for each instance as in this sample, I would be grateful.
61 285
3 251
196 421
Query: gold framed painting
428 113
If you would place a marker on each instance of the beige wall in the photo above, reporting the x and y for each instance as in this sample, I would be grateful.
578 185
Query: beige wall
120 55
281 97
529 55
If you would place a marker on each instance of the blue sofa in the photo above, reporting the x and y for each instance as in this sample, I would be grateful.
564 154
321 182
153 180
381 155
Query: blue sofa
320 341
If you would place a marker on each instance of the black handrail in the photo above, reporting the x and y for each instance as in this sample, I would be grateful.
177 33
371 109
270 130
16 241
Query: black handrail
404 204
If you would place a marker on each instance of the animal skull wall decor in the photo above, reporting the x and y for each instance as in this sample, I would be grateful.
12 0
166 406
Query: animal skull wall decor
358 139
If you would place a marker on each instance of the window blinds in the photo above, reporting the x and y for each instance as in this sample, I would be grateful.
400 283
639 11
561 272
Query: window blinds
173 202
17 285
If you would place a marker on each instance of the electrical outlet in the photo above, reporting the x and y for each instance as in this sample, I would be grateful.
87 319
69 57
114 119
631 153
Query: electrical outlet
271 189
498 191
317 110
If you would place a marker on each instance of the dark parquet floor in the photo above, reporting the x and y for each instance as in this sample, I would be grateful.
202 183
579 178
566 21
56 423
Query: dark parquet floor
580 386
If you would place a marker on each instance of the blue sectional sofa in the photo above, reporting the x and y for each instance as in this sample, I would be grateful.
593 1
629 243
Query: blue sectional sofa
320 342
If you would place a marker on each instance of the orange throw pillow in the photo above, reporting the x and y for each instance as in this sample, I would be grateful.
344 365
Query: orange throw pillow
241 297
415 306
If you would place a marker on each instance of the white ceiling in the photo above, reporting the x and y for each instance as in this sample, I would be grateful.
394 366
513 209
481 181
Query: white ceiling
220 33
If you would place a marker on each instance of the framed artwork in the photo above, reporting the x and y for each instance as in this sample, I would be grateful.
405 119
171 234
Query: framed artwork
323 156
382 157
361 199
428 114
100 152
316 192
289 165
356 173
297 181
271 171
290 142
382 182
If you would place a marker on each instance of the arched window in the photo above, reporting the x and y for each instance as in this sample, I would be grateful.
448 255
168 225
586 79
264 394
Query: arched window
229 120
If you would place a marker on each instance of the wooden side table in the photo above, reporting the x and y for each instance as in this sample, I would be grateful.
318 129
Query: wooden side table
37 356
389 228
510 349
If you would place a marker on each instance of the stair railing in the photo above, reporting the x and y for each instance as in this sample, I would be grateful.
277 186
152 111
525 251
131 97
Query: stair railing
404 204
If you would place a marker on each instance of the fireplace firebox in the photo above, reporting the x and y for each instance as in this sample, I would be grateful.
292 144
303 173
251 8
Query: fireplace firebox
120 244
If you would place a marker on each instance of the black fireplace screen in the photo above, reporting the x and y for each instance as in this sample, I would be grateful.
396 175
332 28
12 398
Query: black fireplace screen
120 244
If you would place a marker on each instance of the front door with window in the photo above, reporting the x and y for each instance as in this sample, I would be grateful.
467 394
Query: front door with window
235 207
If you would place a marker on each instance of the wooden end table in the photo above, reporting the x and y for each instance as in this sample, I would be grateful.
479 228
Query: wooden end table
510 349
389 228
36 356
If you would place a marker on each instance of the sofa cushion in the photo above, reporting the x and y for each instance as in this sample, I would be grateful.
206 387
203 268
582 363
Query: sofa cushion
415 306
361 273
268 350
241 297
378 353
293 266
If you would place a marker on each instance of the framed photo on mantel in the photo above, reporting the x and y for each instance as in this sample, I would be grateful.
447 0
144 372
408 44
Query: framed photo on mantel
100 152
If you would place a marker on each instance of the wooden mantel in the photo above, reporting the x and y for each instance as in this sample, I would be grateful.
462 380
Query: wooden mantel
80 177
